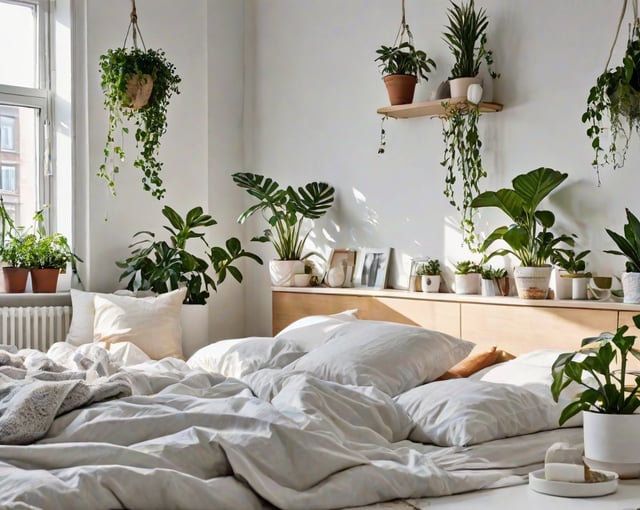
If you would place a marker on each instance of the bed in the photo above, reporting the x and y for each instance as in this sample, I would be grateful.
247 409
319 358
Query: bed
332 412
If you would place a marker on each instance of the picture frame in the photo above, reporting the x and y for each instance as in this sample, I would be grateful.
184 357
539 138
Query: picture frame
414 279
372 267
342 261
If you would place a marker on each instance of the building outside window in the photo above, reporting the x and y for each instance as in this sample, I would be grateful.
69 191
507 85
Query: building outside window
25 106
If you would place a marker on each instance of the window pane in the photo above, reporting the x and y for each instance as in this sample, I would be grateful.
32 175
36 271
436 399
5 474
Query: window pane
19 188
18 47
7 133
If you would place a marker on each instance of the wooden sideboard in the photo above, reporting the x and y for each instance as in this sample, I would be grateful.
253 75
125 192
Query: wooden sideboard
516 325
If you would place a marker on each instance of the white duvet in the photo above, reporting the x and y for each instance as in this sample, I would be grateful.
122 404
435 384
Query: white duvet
195 440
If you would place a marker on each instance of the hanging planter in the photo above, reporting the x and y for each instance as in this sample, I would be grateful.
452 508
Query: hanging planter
137 85
613 105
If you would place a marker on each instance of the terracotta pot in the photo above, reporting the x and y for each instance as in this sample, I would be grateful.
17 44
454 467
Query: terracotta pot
15 279
44 280
400 88
503 286
139 90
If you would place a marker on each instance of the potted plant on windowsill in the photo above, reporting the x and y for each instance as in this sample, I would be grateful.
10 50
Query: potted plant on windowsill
429 273
528 237
402 66
571 275
467 277
466 37
613 104
137 84
609 401
285 210
629 247
49 255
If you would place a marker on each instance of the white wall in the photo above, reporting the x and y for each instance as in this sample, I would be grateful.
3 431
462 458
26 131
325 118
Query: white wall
317 89
203 143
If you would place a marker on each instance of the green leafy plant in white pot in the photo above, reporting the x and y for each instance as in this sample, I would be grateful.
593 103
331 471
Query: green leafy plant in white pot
629 246
529 237
430 275
609 399
571 275
285 211
494 281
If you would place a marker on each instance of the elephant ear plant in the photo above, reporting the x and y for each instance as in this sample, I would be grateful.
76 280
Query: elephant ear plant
285 210
161 266
605 390
137 85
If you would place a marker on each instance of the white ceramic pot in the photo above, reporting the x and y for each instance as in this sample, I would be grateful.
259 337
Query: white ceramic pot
282 272
302 280
532 282
579 287
459 86
467 283
631 287
563 288
474 93
489 288
611 442
430 282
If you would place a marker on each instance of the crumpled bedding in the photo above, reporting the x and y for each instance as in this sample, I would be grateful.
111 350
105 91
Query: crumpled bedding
189 439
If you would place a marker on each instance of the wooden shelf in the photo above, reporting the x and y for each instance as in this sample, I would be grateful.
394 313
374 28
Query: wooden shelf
432 108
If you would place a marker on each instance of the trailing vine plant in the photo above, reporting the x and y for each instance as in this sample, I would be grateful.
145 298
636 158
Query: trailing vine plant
126 75
613 104
462 162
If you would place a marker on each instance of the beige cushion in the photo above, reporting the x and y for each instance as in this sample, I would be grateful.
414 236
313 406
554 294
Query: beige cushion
152 324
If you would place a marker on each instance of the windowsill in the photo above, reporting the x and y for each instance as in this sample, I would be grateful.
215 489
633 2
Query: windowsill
35 299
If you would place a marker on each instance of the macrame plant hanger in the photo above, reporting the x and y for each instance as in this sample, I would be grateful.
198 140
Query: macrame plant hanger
403 30
139 86
632 26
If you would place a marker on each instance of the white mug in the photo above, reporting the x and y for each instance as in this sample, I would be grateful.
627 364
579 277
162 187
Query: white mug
474 93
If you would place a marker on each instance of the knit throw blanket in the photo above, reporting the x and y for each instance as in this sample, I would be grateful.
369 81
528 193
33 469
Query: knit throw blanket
34 390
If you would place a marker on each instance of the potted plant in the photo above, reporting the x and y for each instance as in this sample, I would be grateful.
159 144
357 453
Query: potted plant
402 66
429 273
164 265
466 37
609 400
285 210
629 246
528 237
137 85
613 104
493 281
467 277
48 256
572 278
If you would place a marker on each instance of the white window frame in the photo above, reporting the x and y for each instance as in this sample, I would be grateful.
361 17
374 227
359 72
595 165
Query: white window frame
41 99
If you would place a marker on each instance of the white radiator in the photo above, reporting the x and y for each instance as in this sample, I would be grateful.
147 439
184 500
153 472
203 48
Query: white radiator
34 327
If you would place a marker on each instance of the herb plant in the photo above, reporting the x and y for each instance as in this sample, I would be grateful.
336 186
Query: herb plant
429 268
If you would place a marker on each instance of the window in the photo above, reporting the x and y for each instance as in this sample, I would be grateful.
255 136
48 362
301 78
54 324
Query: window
25 99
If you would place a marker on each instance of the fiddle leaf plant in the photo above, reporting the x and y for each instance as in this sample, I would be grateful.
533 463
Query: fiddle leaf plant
122 70
606 389
285 210
161 266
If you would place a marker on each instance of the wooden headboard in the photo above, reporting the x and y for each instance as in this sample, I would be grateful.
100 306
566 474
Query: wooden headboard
512 324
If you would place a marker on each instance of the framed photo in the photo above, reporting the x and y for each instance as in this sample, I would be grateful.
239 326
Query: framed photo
342 262
372 265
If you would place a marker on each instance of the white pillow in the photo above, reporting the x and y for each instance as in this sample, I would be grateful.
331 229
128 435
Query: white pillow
461 412
313 331
81 327
152 324
389 356
241 356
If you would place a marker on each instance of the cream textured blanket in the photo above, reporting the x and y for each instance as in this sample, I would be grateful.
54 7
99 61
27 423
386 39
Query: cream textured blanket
34 390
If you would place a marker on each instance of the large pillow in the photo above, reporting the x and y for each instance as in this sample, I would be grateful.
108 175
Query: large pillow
461 412
152 324
391 357
313 331
241 356
81 327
